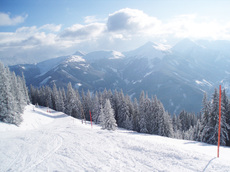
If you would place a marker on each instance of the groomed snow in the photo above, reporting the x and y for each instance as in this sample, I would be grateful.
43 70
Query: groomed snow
57 142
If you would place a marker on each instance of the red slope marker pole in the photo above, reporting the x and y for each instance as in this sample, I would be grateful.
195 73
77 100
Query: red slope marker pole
218 148
91 119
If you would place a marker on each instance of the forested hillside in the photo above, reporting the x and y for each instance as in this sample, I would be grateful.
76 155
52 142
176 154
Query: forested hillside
146 115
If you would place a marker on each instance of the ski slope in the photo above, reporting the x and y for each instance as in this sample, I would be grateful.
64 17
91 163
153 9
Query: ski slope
57 142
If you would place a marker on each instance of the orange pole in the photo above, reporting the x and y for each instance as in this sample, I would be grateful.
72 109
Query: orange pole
218 149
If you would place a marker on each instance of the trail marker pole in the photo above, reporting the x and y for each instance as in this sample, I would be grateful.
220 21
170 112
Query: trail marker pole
218 148
91 119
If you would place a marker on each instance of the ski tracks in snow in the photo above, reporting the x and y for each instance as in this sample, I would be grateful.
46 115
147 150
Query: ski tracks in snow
53 144
36 147
35 150
68 145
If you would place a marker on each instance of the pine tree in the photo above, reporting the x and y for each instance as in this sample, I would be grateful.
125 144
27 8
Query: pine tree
25 89
56 98
70 100
110 97
174 122
213 123
87 105
32 95
107 117
224 116
22 93
136 116
115 104
48 97
78 106
62 103
189 134
104 96
8 110
227 107
161 119
212 126
177 131
142 122
205 113
197 135
157 117
149 115
123 114
63 93
18 97
129 117
168 128
40 96
182 117
96 109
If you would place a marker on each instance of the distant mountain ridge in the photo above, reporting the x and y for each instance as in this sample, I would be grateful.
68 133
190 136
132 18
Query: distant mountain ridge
150 50
178 75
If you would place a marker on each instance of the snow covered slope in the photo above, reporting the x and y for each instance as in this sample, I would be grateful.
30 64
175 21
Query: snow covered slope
57 142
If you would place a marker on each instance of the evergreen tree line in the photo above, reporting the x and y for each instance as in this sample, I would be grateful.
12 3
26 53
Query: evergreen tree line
13 96
146 115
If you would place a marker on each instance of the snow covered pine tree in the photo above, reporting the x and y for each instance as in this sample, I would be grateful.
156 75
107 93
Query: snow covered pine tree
107 117
12 96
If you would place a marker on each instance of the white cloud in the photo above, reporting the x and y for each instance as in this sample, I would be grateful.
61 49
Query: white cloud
26 38
51 27
90 19
27 30
131 20
6 20
131 23
122 30
196 27
83 32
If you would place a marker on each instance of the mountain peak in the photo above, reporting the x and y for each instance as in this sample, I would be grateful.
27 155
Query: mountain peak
149 50
149 43
74 58
185 45
79 53
157 46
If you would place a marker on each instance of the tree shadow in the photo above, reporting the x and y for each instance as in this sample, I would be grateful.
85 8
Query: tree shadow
198 143
52 116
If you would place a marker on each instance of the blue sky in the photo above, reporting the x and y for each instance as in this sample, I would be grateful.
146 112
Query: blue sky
59 27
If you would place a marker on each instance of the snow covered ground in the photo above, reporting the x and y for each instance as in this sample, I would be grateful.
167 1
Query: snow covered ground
56 142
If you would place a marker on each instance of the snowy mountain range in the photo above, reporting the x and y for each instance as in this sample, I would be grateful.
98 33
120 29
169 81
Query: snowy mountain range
178 75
